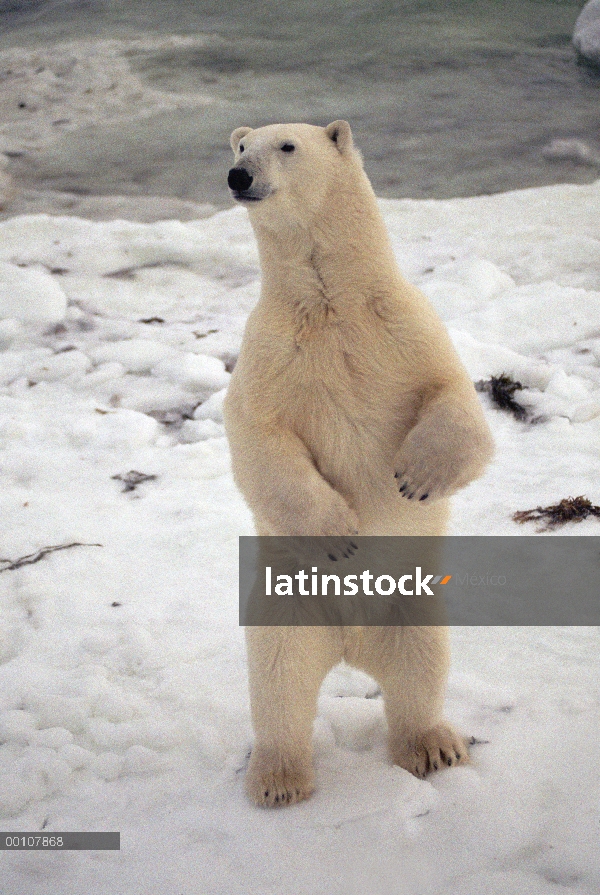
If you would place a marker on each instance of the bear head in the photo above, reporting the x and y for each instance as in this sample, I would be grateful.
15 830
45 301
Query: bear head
287 171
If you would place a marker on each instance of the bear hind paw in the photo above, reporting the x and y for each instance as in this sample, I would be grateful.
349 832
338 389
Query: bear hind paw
431 751
273 781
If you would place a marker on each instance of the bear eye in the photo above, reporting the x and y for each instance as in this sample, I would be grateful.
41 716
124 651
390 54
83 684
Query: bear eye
288 147
241 147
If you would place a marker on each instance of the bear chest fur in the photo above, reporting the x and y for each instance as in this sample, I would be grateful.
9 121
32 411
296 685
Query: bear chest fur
342 384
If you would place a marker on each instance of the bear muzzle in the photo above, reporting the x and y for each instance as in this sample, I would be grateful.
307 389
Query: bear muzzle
239 181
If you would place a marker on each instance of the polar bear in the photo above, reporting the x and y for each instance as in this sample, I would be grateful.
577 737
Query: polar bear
348 412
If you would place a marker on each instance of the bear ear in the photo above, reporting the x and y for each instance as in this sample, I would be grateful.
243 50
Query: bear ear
237 135
339 133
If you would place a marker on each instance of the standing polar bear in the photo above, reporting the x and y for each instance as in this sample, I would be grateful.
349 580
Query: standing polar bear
348 412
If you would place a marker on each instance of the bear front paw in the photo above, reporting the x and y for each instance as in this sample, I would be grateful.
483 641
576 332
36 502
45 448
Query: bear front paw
423 481
410 489
437 748
310 550
414 485
274 781
444 452
339 548
337 522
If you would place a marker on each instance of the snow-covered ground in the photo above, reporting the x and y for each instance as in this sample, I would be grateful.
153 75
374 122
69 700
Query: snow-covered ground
123 701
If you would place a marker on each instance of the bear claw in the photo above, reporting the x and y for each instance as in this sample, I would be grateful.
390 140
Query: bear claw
273 781
431 750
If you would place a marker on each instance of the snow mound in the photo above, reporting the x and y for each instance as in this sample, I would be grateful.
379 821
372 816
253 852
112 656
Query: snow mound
30 295
586 36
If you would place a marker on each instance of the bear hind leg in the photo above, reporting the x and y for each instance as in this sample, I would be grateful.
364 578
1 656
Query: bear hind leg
287 666
412 673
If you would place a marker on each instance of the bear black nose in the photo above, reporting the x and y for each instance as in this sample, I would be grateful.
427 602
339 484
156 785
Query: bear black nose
239 180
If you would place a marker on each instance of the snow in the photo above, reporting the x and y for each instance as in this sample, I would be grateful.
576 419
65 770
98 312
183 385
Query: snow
586 35
30 295
123 690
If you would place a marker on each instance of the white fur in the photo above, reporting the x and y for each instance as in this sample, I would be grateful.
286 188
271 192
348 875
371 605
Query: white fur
346 378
